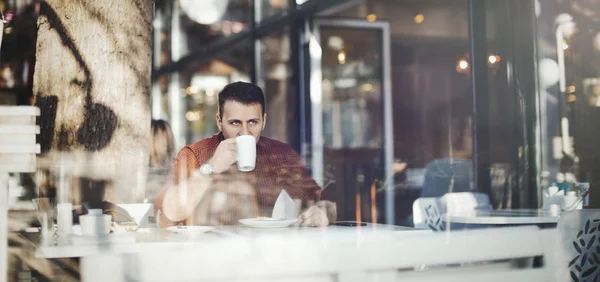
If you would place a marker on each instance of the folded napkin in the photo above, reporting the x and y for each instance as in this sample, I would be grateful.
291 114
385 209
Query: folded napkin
285 207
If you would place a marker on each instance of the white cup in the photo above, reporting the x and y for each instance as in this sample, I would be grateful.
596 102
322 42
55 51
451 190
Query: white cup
95 224
246 152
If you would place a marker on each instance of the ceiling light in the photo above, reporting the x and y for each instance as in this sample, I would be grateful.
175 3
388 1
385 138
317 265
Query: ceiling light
335 43
463 64
493 59
419 18
342 57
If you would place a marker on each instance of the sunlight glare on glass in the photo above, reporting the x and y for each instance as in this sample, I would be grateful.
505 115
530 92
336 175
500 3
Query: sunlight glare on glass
206 11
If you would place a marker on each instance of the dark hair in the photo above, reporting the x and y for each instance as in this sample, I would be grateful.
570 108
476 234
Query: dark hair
241 92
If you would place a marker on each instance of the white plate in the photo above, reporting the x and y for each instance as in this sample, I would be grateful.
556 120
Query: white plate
267 222
190 229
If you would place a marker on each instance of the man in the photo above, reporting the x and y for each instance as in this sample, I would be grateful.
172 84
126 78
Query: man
210 162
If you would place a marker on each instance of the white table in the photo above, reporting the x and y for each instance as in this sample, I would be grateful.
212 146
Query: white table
335 254
502 217
160 239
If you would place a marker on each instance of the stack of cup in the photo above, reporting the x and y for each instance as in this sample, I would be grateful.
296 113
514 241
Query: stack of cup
18 146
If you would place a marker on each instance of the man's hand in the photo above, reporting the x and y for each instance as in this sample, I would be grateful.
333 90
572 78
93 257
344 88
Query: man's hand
318 215
225 156
181 199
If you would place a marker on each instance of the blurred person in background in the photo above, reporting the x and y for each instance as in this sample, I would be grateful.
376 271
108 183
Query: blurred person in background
212 191
162 150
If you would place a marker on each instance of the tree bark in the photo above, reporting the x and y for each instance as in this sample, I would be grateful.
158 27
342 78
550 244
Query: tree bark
92 84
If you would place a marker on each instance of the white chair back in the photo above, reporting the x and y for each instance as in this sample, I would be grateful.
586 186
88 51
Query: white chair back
465 201
427 214
470 256
579 259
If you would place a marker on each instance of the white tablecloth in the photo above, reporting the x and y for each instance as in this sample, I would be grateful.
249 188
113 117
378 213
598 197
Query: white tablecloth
149 238
502 217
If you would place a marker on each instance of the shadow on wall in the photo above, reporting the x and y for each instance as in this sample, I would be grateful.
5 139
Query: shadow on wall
99 122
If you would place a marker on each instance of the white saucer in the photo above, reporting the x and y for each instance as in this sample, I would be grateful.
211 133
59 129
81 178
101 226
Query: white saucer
190 229
267 222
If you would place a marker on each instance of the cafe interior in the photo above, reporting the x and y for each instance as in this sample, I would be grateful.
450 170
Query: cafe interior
451 140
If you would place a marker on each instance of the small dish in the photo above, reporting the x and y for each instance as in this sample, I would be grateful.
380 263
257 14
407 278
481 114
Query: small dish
190 229
268 222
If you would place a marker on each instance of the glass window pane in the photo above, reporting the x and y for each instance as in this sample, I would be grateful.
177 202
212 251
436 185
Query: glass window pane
431 97
196 24
569 75
267 8
352 89
18 40
506 109
161 34
274 77
200 85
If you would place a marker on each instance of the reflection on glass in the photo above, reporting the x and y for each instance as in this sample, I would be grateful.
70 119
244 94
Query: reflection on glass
430 91
267 8
201 85
569 71
204 22
274 77
352 92
160 98
591 88
351 165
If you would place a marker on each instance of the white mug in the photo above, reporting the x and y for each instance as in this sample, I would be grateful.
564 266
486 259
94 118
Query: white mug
95 224
246 152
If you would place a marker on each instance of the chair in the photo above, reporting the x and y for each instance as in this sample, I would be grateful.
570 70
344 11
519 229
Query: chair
427 214
579 246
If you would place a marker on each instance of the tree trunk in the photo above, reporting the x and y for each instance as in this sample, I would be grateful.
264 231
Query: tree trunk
92 81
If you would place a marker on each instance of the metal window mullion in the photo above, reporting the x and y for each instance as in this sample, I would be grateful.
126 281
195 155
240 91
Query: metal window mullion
479 82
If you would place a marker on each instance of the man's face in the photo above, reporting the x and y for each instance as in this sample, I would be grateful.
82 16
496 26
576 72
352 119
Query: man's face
239 119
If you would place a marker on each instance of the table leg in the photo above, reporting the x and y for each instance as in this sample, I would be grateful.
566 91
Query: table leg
103 267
